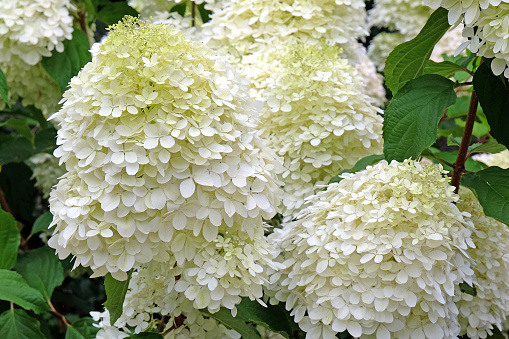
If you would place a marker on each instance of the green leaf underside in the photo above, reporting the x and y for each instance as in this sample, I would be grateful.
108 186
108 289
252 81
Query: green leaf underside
494 99
17 324
408 60
411 119
115 295
492 146
63 66
445 68
225 317
491 186
14 288
9 240
4 89
359 166
41 269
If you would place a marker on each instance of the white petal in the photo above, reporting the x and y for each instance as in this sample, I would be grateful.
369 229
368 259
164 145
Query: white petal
187 188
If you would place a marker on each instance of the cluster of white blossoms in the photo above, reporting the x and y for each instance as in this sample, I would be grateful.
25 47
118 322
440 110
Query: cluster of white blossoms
151 290
315 117
500 159
29 31
405 19
164 164
379 253
490 258
486 23
244 27
46 172
372 81
404 16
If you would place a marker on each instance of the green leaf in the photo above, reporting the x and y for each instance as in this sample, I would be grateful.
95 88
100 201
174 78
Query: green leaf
41 269
113 12
359 166
63 66
466 288
82 329
115 295
180 8
9 240
408 60
45 140
22 126
491 186
17 324
42 223
411 119
492 146
273 317
494 99
224 316
15 289
204 13
4 89
15 149
445 68
460 107
18 186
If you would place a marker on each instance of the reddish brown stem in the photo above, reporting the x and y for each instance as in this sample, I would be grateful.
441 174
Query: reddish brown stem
179 321
459 165
82 21
62 321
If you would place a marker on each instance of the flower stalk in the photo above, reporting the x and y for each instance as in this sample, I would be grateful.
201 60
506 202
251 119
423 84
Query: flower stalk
459 165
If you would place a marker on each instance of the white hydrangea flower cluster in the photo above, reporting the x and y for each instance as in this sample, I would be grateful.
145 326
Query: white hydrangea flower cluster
182 23
46 172
248 26
380 253
372 81
486 23
404 16
315 117
500 159
490 306
158 137
151 291
30 30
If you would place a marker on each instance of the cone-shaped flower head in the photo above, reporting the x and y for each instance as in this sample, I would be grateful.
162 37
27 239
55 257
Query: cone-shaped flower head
248 26
489 307
379 253
315 117
163 159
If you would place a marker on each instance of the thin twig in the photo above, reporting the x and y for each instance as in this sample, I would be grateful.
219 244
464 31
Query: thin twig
459 165
62 321
83 23
179 321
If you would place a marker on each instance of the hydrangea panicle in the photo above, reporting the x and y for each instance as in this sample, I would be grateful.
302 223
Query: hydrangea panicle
378 254
158 136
